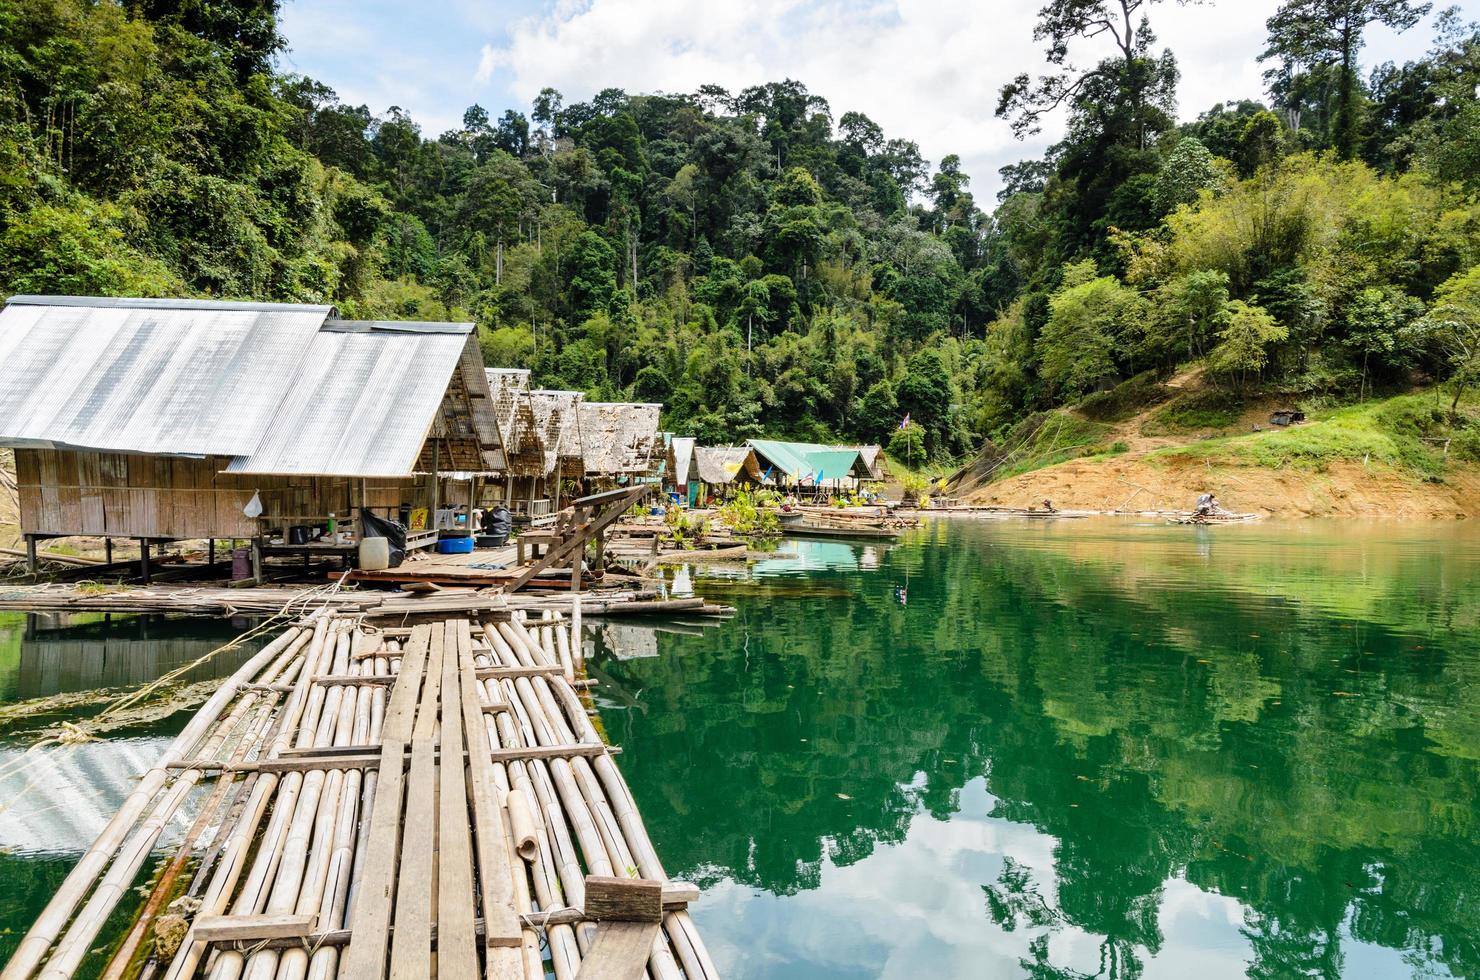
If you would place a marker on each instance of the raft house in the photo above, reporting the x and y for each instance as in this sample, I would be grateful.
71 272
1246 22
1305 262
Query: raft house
716 470
621 443
809 465
163 420
541 432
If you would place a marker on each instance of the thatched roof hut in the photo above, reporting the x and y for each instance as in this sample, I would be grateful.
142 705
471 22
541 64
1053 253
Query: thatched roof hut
620 438
720 465
558 414
522 431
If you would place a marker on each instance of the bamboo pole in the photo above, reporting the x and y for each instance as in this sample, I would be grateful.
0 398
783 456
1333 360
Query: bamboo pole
241 838
43 934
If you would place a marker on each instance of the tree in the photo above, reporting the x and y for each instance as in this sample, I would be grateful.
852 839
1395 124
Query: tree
1024 102
1452 327
1188 170
1190 310
1076 351
907 443
925 394
878 413
591 265
1328 34
1244 342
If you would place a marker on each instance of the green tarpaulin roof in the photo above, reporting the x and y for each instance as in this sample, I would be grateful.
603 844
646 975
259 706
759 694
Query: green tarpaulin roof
800 460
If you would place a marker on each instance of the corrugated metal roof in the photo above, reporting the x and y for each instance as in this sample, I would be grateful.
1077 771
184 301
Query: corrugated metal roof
147 376
282 388
159 303
362 405
804 460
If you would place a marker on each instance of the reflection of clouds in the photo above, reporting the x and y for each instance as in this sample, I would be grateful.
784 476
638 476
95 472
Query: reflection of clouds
917 909
59 799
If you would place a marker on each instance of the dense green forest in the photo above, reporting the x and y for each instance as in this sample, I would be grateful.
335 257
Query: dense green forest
761 264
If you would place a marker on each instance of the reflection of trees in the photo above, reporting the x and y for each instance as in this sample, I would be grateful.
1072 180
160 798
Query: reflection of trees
1153 728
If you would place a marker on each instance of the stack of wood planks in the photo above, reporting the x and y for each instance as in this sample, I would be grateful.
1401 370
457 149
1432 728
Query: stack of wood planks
417 801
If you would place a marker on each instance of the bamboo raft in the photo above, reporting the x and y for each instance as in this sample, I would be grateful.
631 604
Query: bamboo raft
269 601
412 802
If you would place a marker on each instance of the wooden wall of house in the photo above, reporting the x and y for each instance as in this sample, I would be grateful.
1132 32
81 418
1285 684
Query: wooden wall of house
69 492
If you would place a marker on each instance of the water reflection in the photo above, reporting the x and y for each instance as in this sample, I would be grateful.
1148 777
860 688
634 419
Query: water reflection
55 801
1098 750
47 654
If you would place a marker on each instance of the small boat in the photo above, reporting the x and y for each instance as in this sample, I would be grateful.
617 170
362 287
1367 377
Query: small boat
1213 519
807 529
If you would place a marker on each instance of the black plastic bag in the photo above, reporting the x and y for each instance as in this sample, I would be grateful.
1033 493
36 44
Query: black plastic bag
498 521
392 531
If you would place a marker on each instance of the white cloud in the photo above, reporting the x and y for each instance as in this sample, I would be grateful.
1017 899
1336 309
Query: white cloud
924 70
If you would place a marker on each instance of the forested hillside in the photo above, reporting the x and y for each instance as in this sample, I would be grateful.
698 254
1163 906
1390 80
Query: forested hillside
764 261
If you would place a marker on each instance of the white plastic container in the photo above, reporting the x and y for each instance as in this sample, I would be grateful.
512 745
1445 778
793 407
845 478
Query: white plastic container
375 554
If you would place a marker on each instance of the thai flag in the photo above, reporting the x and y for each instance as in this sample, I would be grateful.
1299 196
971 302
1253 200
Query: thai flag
905 422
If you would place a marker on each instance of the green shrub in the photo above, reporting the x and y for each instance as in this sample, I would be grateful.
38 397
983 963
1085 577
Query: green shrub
1125 399
743 515
1212 409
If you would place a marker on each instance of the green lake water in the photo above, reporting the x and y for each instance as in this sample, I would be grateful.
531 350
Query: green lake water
1076 749
995 749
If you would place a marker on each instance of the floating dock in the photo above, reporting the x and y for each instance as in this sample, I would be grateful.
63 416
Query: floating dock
422 801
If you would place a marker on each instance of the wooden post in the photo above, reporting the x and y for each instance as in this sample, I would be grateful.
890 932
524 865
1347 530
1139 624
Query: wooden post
108 550
31 554
257 559
211 552
436 483
144 560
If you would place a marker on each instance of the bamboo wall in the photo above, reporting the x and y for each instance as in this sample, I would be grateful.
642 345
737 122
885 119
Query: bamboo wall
66 492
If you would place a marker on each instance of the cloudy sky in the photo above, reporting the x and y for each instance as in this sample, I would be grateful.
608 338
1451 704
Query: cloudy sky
926 70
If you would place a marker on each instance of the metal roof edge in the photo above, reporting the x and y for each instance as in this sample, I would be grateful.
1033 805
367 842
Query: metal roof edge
335 325
143 303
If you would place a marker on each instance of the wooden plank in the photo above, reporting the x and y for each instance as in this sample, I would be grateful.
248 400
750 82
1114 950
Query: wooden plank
365 958
495 880
457 958
331 680
280 925
411 942
401 709
371 915
620 952
623 899
485 673
676 897
365 759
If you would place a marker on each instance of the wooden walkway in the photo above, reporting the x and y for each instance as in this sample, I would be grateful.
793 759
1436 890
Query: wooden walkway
424 801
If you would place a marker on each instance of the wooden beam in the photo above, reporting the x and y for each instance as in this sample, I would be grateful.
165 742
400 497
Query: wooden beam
495 882
623 899
457 957
280 925
371 914
411 944
621 951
